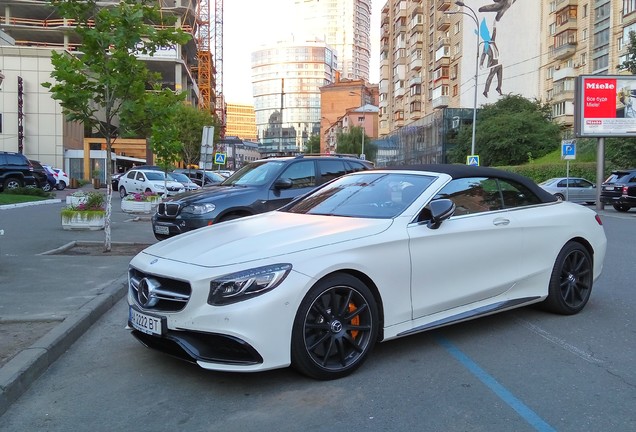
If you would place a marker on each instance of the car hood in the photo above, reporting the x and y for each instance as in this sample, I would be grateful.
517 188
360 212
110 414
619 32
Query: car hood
211 194
266 235
169 183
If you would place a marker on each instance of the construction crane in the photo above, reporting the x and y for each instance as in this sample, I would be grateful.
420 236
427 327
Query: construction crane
211 87
218 64
204 57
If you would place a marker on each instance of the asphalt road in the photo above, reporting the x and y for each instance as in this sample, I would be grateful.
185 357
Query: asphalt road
522 370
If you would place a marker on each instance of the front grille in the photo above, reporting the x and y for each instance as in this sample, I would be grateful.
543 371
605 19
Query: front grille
164 295
168 209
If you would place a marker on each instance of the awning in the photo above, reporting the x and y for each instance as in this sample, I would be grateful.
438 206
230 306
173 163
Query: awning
131 159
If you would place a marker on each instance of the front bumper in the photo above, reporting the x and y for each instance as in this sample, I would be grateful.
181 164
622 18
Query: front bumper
248 336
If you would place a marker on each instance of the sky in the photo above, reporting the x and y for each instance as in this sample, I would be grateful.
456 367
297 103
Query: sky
249 24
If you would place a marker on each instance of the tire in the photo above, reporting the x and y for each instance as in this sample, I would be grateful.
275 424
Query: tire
47 187
122 192
12 183
335 328
61 185
559 197
571 280
621 207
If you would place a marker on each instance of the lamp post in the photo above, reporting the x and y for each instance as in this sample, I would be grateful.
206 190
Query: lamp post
363 121
473 16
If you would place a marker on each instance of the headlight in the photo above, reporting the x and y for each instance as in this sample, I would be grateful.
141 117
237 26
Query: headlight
246 284
198 209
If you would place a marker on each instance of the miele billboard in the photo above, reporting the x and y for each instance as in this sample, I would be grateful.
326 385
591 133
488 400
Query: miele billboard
605 106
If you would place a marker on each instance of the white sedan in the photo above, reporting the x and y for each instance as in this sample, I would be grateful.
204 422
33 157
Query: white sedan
141 181
369 257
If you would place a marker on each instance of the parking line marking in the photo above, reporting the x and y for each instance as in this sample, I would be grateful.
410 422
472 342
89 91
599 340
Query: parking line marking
504 394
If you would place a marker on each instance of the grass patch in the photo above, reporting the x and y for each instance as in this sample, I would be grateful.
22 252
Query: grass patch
22 195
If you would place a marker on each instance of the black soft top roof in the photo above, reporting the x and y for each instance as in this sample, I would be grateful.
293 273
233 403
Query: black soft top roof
457 171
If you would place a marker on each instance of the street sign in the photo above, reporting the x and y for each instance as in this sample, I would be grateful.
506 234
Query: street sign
219 158
568 149
472 160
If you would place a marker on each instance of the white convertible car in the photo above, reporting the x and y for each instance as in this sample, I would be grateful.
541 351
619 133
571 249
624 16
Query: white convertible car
369 257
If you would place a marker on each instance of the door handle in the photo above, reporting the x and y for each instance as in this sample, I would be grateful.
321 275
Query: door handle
501 221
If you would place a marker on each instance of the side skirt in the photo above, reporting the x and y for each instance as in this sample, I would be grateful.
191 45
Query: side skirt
475 313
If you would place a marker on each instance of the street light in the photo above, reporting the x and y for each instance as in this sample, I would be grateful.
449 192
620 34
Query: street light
473 16
363 121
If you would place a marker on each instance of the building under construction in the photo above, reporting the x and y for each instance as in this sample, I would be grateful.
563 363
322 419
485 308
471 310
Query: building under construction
35 125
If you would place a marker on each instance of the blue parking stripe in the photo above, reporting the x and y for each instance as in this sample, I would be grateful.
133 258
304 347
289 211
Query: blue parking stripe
530 416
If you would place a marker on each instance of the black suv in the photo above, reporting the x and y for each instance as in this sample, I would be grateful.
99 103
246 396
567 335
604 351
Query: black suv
258 187
15 171
619 190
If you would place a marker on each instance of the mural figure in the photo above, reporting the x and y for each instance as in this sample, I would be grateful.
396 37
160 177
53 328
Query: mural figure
499 6
627 97
490 54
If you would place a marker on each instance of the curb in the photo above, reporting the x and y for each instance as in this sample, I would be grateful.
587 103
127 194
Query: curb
17 375
30 203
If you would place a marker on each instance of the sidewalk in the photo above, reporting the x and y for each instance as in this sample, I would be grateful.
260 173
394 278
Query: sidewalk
53 291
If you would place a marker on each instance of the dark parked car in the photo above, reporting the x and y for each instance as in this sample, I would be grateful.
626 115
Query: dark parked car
619 190
258 187
211 177
15 171
44 178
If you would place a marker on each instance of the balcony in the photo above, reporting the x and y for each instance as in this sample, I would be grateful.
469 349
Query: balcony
415 81
560 4
441 102
399 92
564 51
443 5
563 73
443 23
442 61
416 64
442 43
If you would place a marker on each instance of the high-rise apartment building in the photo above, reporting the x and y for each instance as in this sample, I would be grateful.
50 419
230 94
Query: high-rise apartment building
286 79
581 37
431 51
241 121
343 25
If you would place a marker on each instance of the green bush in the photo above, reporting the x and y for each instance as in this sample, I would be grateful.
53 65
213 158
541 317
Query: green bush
30 191
542 172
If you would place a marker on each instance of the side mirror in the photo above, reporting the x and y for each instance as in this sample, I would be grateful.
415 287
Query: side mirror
441 210
283 183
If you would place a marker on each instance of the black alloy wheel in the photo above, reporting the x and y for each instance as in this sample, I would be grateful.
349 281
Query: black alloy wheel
571 280
335 328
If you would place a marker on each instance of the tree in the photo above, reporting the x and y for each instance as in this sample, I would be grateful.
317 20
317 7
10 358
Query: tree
93 85
190 122
351 143
630 62
511 131
313 145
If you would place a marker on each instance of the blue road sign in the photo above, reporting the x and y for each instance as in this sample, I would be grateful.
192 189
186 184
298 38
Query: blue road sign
568 149
219 158
472 160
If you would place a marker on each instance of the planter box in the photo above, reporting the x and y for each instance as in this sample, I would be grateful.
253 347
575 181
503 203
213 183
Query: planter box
128 206
81 221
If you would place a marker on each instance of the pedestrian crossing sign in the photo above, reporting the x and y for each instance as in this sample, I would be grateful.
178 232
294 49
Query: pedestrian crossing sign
219 158
472 160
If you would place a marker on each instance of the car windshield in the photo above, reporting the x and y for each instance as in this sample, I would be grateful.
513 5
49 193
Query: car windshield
215 177
154 175
547 182
368 195
255 174
182 178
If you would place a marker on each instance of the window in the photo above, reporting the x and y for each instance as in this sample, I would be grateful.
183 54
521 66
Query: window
302 174
481 194
330 169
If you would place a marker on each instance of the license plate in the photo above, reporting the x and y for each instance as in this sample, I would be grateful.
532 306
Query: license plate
159 229
145 323
608 188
